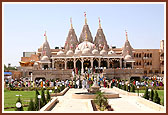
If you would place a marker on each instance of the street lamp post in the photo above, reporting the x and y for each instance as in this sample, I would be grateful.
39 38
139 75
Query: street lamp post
39 97
18 105
50 94
138 90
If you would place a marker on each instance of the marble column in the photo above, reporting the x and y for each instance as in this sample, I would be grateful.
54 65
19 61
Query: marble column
99 62
132 65
65 64
125 64
120 62
48 65
74 63
108 64
52 63
82 66
91 63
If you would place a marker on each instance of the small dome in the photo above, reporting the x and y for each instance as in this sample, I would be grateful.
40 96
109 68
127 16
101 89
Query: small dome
44 58
77 51
86 51
111 52
84 45
128 57
103 52
60 53
95 51
70 52
35 64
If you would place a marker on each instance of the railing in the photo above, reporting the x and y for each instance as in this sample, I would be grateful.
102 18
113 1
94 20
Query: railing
124 71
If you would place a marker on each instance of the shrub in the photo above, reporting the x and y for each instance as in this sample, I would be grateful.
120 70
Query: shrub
146 94
48 96
151 94
36 104
21 108
124 88
43 100
133 88
101 100
31 106
156 98
62 87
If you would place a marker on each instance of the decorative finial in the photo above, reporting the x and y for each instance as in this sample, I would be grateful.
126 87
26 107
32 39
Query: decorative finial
126 35
85 18
71 22
45 35
99 23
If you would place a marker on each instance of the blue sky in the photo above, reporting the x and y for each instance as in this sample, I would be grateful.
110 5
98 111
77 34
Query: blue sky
25 24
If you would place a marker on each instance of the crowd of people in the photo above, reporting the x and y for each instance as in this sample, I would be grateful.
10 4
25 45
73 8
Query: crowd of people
86 82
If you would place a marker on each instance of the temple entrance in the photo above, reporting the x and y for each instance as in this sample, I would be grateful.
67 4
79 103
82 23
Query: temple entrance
95 63
86 65
128 64
103 64
70 65
78 65
116 64
45 66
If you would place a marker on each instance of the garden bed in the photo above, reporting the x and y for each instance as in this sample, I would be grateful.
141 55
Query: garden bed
96 107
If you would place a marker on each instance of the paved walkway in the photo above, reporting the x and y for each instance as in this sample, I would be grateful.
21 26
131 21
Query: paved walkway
123 104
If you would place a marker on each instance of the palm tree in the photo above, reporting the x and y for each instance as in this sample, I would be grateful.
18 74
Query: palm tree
101 100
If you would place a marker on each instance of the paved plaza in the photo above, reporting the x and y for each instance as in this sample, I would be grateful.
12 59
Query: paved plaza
128 104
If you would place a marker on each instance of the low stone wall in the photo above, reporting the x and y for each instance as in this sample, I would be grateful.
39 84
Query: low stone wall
61 93
120 91
151 104
50 105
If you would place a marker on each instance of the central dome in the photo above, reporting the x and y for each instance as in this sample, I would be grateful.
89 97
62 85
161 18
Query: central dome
84 45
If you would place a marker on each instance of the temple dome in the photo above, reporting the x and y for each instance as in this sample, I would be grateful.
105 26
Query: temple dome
36 64
60 53
77 51
44 58
103 52
85 44
127 57
111 52
95 51
86 51
70 52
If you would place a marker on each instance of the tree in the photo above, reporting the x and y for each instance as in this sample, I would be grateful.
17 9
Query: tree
21 108
36 104
31 106
43 100
146 94
151 94
156 98
133 88
124 88
48 96
101 100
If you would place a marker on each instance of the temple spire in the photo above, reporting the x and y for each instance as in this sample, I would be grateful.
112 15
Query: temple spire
126 35
85 18
99 23
71 22
45 35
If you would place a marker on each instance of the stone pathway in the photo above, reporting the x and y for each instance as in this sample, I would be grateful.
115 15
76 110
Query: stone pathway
124 104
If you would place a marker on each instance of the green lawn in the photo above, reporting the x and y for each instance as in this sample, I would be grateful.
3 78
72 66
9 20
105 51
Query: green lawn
10 98
160 92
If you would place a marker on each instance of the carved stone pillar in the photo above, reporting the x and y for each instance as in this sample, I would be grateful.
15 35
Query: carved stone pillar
52 63
65 64
91 63
99 62
132 65
82 70
120 62
74 63
125 64
108 64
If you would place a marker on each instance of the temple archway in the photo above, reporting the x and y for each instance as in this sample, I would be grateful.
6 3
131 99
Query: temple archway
70 65
95 63
78 65
103 64
86 64
116 64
